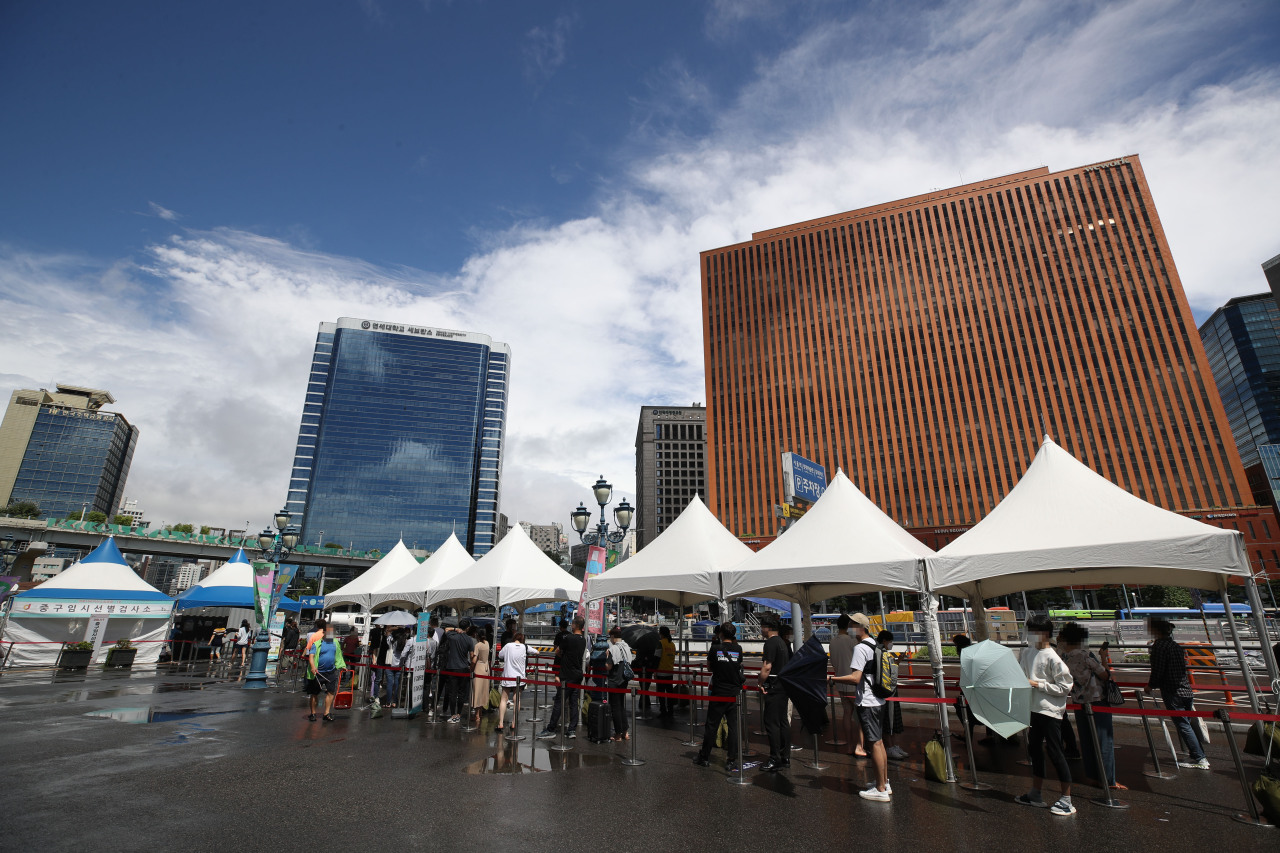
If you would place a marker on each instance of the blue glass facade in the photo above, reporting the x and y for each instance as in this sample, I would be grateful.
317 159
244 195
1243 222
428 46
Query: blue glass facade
1242 341
73 457
401 437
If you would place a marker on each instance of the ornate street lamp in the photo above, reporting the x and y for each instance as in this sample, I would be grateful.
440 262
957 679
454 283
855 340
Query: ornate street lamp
275 547
623 514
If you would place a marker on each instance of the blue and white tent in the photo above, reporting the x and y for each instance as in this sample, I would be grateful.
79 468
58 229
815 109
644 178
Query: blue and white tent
65 607
230 585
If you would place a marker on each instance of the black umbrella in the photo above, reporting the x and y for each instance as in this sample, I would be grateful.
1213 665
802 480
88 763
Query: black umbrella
804 680
644 641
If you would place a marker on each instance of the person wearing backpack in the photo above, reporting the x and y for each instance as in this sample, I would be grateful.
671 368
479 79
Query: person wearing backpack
871 705
618 660
887 685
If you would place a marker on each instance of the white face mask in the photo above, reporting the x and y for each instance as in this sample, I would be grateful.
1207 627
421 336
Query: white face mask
328 635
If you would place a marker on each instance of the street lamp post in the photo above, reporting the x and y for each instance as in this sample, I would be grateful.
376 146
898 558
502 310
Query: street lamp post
8 553
275 547
623 514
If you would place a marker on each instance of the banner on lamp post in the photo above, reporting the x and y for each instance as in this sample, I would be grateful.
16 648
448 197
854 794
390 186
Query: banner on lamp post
283 579
593 613
263 584
8 584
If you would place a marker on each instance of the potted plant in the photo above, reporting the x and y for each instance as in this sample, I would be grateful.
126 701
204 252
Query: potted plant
76 655
122 653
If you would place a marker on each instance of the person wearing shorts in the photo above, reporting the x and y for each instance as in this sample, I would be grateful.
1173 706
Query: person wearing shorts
871 708
325 664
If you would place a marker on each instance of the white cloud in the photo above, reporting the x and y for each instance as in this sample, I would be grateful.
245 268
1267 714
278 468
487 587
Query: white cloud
163 212
206 342
546 49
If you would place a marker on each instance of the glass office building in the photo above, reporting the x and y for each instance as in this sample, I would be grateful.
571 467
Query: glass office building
61 451
401 437
1242 341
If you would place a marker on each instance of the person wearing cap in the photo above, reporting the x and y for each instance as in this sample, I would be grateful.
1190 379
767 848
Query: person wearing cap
777 716
871 708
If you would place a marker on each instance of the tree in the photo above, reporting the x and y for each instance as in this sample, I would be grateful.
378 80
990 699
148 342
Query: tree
204 529
123 520
180 528
96 517
333 545
22 509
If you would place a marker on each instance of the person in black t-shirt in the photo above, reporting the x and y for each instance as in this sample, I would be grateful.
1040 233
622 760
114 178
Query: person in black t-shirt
777 719
459 654
724 662
569 656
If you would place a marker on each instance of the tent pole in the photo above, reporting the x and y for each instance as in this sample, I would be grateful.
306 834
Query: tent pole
1264 642
1235 638
934 639
981 627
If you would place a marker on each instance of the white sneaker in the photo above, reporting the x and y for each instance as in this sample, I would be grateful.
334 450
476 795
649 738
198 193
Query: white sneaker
884 796
888 786
896 753
1202 764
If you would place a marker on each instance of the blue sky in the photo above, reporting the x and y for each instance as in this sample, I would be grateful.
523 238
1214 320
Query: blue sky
187 189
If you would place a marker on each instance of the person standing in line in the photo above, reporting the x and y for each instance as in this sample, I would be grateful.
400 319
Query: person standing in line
480 686
842 664
570 656
619 652
1051 682
1089 675
871 708
326 665
458 648
777 717
375 659
727 679
242 641
892 710
1169 676
513 656
396 660
666 671
289 642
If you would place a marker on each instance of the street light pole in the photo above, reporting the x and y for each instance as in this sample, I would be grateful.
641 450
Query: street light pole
275 547
623 514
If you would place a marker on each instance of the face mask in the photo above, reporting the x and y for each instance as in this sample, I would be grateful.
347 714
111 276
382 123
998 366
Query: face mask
328 635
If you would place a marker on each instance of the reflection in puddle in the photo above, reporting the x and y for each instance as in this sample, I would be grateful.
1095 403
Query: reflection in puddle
150 715
516 759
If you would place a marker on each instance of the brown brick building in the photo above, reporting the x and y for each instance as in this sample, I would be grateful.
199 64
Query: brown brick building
925 346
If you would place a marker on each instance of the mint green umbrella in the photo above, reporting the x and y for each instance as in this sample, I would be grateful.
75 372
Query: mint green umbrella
996 688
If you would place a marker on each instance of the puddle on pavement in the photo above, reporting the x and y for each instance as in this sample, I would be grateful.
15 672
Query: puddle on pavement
515 759
148 714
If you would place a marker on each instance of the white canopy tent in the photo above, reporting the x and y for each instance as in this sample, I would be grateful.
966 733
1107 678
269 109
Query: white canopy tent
396 564
515 571
682 565
411 589
100 586
1065 525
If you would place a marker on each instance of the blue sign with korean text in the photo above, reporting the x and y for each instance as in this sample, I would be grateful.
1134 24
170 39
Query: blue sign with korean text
802 479
311 602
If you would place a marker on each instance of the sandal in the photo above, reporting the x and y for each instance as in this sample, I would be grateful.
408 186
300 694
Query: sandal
328 718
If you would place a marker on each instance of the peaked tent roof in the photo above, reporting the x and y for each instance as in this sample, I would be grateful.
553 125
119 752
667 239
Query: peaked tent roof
449 560
843 545
514 571
682 565
1065 525
229 585
396 564
100 574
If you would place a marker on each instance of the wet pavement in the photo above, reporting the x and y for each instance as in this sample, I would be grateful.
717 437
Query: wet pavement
182 761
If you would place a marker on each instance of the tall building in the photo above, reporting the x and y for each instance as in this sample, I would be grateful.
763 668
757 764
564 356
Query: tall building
546 536
401 437
926 344
671 465
62 451
1271 269
1242 342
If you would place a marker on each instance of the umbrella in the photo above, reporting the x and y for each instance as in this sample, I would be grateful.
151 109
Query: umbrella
396 617
804 680
996 688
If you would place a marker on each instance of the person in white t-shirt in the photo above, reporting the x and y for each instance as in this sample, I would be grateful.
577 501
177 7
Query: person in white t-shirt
513 657
1051 682
871 708
842 645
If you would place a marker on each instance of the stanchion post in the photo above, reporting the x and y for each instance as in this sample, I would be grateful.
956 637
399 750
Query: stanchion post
515 712
1252 818
835 728
1106 799
632 761
471 685
1151 744
693 714
816 764
562 746
740 778
975 785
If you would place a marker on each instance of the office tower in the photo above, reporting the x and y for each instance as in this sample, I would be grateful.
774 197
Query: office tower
64 452
1242 342
401 437
1271 269
548 537
925 345
670 466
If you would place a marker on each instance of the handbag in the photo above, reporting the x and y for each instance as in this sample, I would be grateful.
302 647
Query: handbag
935 760
1267 786
495 697
1111 693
